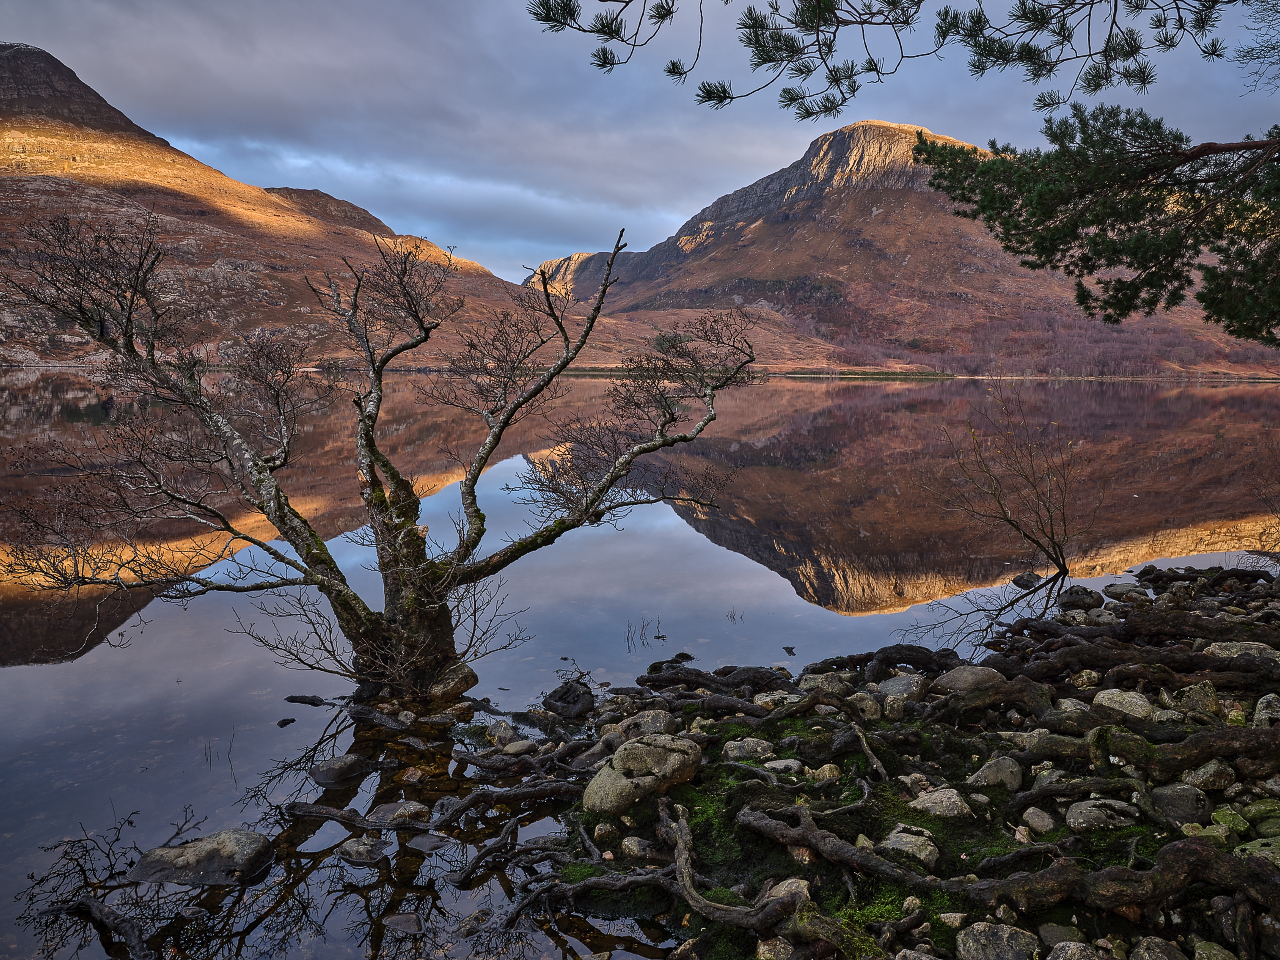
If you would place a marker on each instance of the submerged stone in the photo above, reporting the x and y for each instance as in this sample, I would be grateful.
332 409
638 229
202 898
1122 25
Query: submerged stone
326 773
572 699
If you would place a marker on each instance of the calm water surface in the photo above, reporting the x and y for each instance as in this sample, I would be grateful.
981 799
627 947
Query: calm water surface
181 712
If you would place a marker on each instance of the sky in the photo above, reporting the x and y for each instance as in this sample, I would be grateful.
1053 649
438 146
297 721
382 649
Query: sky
461 121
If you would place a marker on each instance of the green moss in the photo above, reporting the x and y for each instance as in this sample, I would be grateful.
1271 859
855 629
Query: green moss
725 897
577 872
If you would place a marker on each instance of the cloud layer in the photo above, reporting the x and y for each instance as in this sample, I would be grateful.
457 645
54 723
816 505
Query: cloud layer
464 123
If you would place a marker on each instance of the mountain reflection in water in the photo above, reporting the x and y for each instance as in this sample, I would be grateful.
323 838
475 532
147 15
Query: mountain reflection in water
822 510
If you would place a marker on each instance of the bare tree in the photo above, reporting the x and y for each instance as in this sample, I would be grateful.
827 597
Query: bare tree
217 426
1015 475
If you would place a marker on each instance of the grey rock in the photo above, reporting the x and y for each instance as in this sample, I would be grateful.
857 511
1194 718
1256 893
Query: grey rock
649 721
326 773
1214 775
905 954
1242 649
796 885
911 686
994 941
1087 816
1168 716
894 708
1071 703
1118 591
400 810
825 683
519 748
638 848
453 683
1182 803
1079 597
866 705
1073 951
793 767
1126 701
221 859
942 803
774 948
965 678
749 748
1025 581
1199 697
1206 950
363 851
570 700
1268 848
429 842
1002 771
405 923
910 842
640 768
1038 820
500 733
1055 933
1153 948
1267 711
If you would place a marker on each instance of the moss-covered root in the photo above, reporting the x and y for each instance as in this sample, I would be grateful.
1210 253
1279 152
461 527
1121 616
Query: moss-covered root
810 925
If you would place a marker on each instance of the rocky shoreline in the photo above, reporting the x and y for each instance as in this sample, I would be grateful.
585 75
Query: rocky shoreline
1102 784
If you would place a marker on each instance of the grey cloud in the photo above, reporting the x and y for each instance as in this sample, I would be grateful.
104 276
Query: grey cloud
463 121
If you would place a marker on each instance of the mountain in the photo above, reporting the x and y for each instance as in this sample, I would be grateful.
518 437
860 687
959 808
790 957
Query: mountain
852 246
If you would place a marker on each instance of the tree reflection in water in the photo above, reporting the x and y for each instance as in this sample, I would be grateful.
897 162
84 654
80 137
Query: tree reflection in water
399 907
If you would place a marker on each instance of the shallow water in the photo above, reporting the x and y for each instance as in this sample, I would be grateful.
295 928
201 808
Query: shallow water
179 711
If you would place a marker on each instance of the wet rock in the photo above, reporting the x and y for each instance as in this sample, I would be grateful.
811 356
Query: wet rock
327 773
1242 649
749 748
825 683
429 842
909 842
363 851
220 859
500 733
1079 597
405 923
866 705
470 926
640 768
519 748
570 700
1214 775
309 701
194 913
910 686
400 810
1068 950
965 678
1087 816
1002 771
286 721
1025 581
942 803
1038 820
994 941
1153 948
1267 711
649 721
1126 701
453 683
1182 803
793 767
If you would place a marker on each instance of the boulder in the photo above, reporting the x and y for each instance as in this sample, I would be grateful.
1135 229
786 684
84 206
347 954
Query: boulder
825 683
1126 701
911 686
642 767
1067 950
913 842
749 748
965 678
327 773
1038 820
1118 591
1153 948
1002 771
572 699
224 858
1079 597
1087 816
453 683
649 721
866 705
1025 581
942 803
1214 775
1199 697
1241 649
996 941
1182 803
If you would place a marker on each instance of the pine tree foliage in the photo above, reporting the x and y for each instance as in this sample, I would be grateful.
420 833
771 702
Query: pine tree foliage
1139 215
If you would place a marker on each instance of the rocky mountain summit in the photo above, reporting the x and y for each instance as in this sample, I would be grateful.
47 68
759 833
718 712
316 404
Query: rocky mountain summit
854 249
34 84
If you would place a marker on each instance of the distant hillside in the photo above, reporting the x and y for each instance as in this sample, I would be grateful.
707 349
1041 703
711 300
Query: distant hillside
853 248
